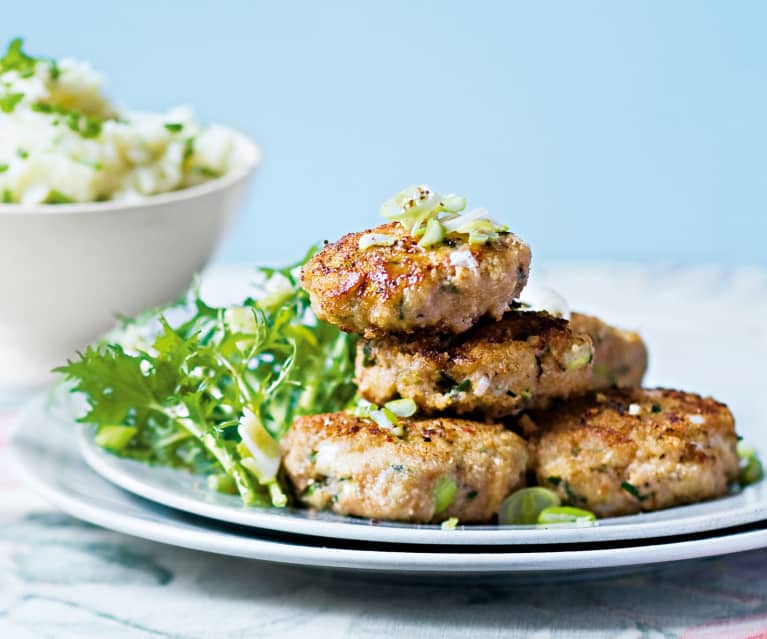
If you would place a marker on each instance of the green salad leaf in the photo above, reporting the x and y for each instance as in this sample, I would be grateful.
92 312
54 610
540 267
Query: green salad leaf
212 389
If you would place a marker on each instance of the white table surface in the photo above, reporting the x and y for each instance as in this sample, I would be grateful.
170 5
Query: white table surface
707 332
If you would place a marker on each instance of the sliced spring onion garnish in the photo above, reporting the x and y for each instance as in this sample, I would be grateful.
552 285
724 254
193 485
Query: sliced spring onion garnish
363 409
430 216
751 469
444 494
578 357
387 417
376 239
264 461
402 407
449 524
222 483
457 222
524 506
565 515
388 421
434 233
115 438
416 204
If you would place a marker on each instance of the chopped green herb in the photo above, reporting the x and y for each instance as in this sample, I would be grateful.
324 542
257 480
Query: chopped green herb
57 197
554 481
633 491
207 171
174 127
7 196
565 515
445 383
449 524
449 287
573 498
96 166
16 60
3 168
463 387
189 148
368 359
85 125
22 154
656 408
8 102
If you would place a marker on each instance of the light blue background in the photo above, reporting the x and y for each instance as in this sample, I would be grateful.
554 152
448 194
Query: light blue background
595 129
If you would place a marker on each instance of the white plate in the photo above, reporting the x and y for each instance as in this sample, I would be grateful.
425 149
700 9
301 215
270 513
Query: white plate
178 489
46 451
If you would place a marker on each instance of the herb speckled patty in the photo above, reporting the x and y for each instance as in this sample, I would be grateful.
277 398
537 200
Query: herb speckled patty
625 451
349 465
620 357
496 369
404 287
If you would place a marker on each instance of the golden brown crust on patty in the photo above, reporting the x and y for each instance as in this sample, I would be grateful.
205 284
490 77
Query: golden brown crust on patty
620 357
352 467
496 369
404 288
623 451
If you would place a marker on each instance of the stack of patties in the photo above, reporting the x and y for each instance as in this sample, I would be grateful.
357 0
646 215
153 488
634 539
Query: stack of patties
446 353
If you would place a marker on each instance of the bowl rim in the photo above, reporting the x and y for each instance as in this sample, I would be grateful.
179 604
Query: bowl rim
252 158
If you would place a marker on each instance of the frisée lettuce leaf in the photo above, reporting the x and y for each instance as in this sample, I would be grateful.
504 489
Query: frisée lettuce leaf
213 391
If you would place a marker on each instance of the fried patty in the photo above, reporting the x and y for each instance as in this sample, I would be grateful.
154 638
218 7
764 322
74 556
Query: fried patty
405 287
620 357
351 466
496 369
624 451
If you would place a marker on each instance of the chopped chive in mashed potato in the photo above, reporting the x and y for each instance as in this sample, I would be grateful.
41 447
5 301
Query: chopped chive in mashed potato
63 141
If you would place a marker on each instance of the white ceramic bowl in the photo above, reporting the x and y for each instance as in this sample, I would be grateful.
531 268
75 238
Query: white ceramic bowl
66 271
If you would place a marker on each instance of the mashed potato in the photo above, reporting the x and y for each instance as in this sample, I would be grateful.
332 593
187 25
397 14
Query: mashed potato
62 141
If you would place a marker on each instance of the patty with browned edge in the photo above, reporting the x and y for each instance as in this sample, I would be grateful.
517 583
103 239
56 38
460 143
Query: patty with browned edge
624 451
404 287
494 370
440 468
620 357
